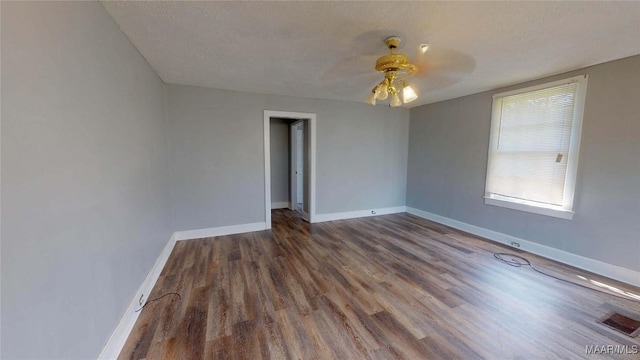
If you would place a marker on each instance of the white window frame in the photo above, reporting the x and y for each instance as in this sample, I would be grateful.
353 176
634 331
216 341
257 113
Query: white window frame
566 210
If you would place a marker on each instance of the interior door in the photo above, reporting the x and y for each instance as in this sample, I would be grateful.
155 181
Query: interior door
296 197
299 165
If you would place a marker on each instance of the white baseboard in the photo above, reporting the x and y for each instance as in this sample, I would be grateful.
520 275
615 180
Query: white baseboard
280 205
358 214
121 333
595 266
219 231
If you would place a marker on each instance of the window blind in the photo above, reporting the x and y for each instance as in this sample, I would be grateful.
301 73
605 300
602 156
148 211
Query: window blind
528 160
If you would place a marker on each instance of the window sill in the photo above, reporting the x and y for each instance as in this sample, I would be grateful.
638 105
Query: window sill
557 213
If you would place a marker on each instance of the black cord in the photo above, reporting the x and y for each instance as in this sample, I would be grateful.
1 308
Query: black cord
158 298
519 261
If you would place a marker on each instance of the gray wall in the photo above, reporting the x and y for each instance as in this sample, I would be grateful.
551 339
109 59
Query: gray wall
217 163
279 151
85 210
448 156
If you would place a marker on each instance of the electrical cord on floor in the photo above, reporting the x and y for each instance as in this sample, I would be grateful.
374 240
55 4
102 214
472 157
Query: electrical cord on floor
519 261
158 298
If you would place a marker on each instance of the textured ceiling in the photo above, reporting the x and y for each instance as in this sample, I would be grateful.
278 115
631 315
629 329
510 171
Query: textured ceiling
327 50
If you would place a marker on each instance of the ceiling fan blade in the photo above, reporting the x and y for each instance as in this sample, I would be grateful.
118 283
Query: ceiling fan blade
358 71
355 65
443 61
356 83
434 82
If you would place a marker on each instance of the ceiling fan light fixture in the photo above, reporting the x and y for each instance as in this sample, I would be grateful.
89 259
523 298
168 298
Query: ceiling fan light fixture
395 67
408 94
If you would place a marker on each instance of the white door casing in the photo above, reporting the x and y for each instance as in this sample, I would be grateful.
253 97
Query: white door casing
311 146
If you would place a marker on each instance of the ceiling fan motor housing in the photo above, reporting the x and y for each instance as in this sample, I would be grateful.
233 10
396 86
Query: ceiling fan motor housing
398 63
393 62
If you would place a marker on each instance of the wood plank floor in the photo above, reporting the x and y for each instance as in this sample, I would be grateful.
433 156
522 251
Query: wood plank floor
386 287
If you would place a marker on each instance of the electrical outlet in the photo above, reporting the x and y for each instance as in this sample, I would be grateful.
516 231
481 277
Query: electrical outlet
141 301
373 212
515 244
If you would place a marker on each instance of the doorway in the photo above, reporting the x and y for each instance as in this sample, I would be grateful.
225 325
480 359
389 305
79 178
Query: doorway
302 167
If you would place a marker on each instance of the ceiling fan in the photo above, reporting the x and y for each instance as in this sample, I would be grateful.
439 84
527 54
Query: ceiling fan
396 68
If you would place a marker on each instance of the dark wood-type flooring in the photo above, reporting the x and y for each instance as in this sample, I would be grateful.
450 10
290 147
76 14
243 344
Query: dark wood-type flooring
385 287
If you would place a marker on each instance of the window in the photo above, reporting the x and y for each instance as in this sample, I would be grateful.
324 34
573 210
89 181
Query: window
534 145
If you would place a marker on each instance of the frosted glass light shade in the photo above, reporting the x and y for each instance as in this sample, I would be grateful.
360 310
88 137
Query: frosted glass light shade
383 94
408 95
371 99
395 100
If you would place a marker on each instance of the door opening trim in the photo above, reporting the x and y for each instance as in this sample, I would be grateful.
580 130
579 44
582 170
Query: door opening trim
311 146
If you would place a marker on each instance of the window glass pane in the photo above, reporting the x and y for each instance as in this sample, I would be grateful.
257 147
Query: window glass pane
529 161
533 176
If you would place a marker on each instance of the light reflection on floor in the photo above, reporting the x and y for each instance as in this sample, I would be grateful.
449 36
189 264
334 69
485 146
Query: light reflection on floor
611 288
